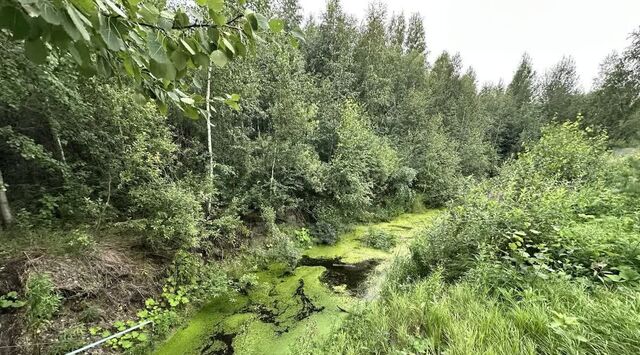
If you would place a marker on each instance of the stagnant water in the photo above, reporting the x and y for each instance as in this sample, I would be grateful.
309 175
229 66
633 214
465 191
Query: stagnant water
289 308
339 273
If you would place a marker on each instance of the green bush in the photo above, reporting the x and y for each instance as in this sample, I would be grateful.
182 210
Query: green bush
167 215
303 238
362 165
42 301
518 213
379 239
324 233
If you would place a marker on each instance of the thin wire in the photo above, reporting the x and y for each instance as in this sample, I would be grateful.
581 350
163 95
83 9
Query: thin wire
108 338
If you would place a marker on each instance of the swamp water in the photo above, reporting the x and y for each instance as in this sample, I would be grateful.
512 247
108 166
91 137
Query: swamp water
286 309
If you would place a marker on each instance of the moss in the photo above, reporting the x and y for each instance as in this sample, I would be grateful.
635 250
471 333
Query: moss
285 309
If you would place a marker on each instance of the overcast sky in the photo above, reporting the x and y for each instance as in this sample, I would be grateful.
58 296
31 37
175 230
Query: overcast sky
491 35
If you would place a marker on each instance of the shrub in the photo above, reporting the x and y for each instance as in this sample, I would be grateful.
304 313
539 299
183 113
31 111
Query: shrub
246 283
167 215
518 213
42 301
363 163
281 248
303 238
325 233
379 239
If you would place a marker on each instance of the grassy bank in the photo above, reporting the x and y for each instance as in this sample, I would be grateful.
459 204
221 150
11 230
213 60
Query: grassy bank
542 259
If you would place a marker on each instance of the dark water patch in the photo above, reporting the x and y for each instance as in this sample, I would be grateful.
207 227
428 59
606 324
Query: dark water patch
219 344
266 315
308 308
340 273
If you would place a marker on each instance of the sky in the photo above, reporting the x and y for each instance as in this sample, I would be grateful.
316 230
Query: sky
492 35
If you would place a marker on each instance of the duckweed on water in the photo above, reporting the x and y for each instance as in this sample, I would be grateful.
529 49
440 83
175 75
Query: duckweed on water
285 309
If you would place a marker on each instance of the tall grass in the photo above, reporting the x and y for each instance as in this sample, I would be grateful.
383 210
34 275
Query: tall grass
542 259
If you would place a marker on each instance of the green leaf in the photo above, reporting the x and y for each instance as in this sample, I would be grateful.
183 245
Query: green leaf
88 6
126 344
180 19
276 25
215 5
228 45
252 20
130 67
36 51
165 21
241 49
247 28
263 23
109 33
104 66
187 46
149 13
78 21
219 58
201 59
179 59
192 113
219 19
614 278
115 8
50 13
297 34
70 28
80 53
157 51
162 70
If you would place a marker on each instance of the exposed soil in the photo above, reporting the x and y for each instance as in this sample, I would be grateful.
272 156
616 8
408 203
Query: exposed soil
97 288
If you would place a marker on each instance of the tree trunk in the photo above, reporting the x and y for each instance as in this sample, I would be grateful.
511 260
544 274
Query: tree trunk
5 211
56 138
208 107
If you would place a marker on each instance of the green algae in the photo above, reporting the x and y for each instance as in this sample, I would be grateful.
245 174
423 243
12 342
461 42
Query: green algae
275 296
286 309
350 248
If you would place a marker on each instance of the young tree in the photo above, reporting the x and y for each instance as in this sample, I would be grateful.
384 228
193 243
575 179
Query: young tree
522 86
291 12
560 91
396 31
374 67
416 38
614 103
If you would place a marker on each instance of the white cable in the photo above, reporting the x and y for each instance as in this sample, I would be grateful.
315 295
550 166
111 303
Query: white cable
108 338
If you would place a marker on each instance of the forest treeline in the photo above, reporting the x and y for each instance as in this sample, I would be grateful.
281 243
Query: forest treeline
347 122
352 124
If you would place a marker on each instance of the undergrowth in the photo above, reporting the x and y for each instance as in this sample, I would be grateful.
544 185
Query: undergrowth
542 259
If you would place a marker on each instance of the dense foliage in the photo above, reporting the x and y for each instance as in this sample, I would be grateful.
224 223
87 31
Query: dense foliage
184 131
539 259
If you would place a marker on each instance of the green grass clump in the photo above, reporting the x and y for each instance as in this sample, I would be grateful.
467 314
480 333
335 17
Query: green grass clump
379 239
548 317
